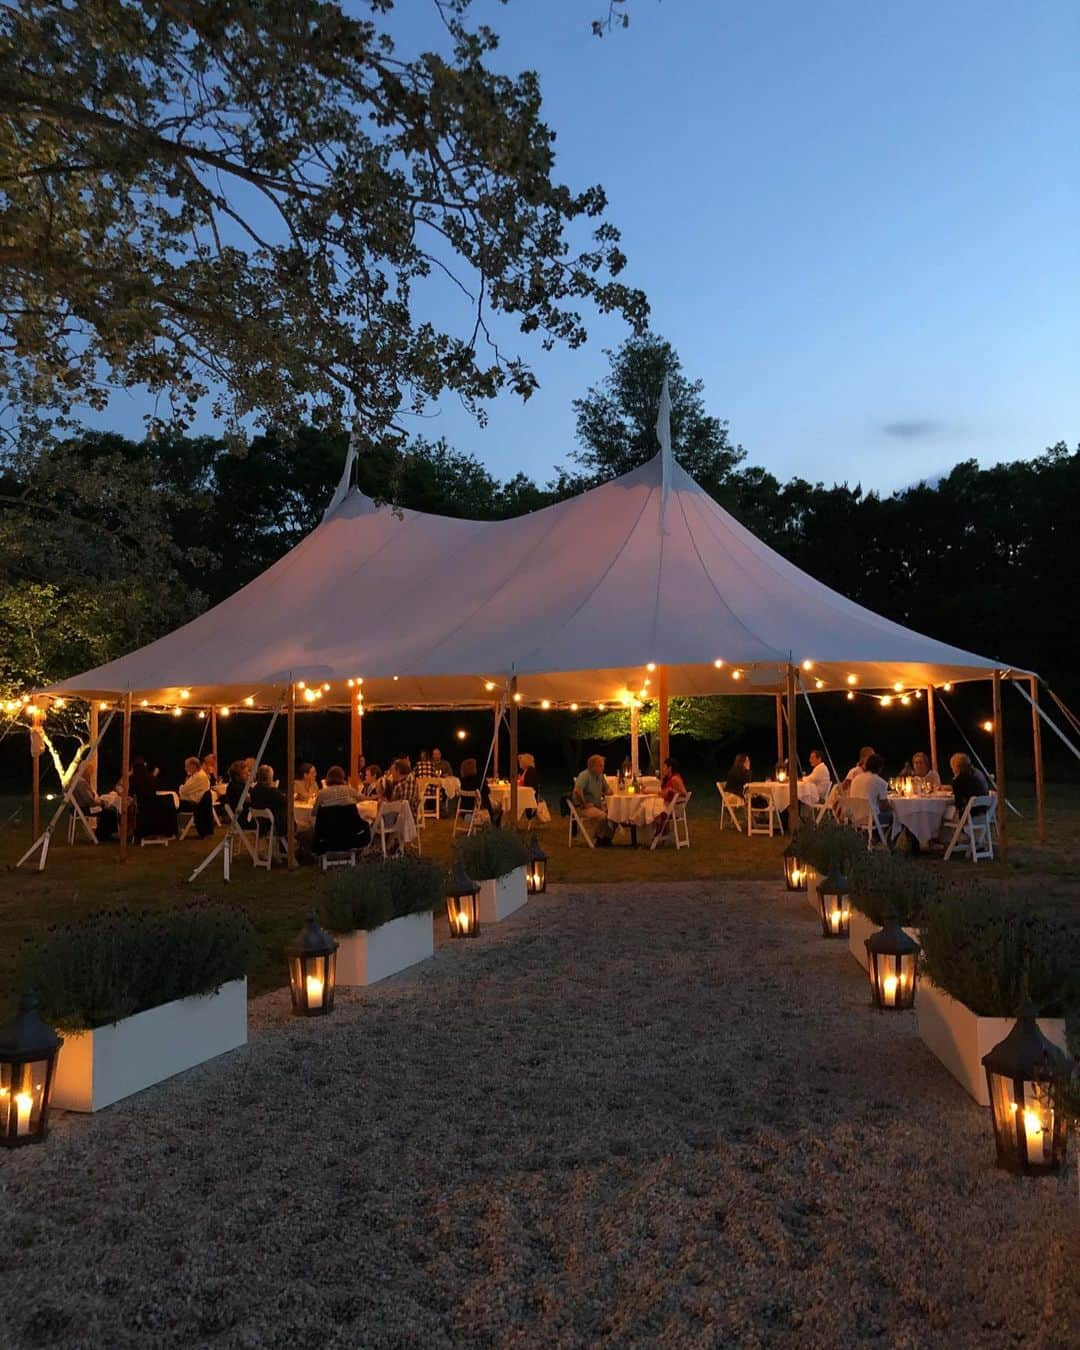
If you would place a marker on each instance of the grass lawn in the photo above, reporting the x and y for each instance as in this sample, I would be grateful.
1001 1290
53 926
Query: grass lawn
82 879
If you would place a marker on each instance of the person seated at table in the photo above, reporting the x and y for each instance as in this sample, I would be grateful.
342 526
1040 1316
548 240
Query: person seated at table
590 789
424 766
234 787
968 782
209 766
404 784
155 817
306 783
371 789
264 796
331 834
361 765
860 767
738 776
440 768
195 794
671 786
819 777
870 786
920 768
90 804
338 790
527 772
470 781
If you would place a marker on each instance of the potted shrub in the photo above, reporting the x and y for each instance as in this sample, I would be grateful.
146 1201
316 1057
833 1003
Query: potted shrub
497 860
828 849
984 954
881 884
140 996
382 916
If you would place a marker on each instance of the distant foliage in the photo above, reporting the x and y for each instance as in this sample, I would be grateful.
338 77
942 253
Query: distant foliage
991 952
366 897
488 854
120 962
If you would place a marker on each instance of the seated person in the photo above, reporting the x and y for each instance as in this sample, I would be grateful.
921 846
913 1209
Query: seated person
819 777
440 768
527 772
264 796
671 786
968 782
590 789
472 782
738 776
337 792
860 767
424 767
196 796
371 789
209 765
90 804
305 784
870 786
333 828
235 786
920 768
155 817
404 786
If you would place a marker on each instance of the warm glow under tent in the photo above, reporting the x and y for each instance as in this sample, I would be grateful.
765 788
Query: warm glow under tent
574 601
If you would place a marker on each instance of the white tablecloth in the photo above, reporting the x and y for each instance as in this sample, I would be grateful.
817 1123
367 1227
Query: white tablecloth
303 811
633 808
921 815
500 797
648 782
449 784
781 793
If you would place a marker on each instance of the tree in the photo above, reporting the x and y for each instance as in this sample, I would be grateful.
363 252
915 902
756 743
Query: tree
253 200
616 420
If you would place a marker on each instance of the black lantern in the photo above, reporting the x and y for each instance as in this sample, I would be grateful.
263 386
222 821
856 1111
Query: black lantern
28 1051
535 868
462 902
893 962
312 970
794 868
1021 1073
835 902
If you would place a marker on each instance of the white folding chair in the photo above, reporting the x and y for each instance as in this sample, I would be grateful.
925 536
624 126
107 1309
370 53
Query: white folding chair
862 814
468 809
89 822
730 802
265 834
974 835
755 824
676 826
578 825
247 840
430 794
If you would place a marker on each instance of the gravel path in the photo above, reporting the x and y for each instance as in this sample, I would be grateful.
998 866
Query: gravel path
622 1118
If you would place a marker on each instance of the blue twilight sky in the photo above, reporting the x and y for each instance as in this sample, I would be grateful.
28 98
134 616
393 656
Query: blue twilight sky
858 223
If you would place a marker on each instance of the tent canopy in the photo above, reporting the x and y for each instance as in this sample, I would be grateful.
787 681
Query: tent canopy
575 600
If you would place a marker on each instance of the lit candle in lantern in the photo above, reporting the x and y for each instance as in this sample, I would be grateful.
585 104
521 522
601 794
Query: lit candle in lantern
463 921
781 777
834 920
797 875
314 991
24 1104
1034 1135
889 985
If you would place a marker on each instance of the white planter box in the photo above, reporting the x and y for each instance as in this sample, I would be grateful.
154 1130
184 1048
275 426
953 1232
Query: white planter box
499 898
960 1037
99 1067
859 929
363 958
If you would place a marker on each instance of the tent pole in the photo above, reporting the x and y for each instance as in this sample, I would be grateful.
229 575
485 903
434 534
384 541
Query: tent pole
92 759
1036 740
999 770
779 729
635 737
495 739
290 776
356 742
931 715
513 751
665 724
213 738
36 745
125 773
793 753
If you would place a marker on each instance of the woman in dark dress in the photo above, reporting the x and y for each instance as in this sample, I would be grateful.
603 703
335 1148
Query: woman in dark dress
155 817
738 776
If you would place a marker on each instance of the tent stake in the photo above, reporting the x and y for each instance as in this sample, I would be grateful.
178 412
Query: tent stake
793 753
931 717
999 769
513 752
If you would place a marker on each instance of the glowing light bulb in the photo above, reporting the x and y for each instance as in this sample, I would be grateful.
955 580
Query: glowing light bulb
202 715
462 734
545 703
103 706
58 702
185 693
351 683
600 707
517 698
808 665
819 684
300 684
309 696
489 685
853 679
988 725
851 696
651 666
906 700
899 686
736 674
886 699
718 664
144 703
326 688
224 712
249 702
395 679
573 707
178 712
947 686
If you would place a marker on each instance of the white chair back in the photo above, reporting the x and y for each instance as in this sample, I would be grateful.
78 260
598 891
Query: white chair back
577 825
264 836
974 833
730 803
468 808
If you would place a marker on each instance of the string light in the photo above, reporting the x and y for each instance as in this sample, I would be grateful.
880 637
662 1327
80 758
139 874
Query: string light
736 674
462 734
351 683
300 684
886 699
988 726
899 686
178 712
310 696
58 702
517 698
545 703
906 700
718 664
326 688
359 679
853 679
395 679
851 696
599 707
947 686
224 712
819 684
32 710
103 706
202 715
185 693
249 702
808 665
651 667
573 707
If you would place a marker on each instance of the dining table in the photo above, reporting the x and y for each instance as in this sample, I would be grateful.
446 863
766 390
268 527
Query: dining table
499 794
304 811
633 810
780 793
922 814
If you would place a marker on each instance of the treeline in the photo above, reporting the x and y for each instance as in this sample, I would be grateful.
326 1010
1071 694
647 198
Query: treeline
106 542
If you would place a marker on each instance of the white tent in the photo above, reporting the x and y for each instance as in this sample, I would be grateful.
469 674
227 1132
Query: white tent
575 601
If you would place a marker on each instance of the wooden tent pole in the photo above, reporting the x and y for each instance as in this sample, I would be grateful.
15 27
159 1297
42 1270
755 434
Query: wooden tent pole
931 717
999 771
779 729
793 754
35 771
125 774
356 741
92 758
1036 739
513 751
495 742
213 738
665 723
290 776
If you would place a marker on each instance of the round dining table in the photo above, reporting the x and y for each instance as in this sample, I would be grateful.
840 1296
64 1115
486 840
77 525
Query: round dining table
635 810
923 816
500 797
781 793
303 812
